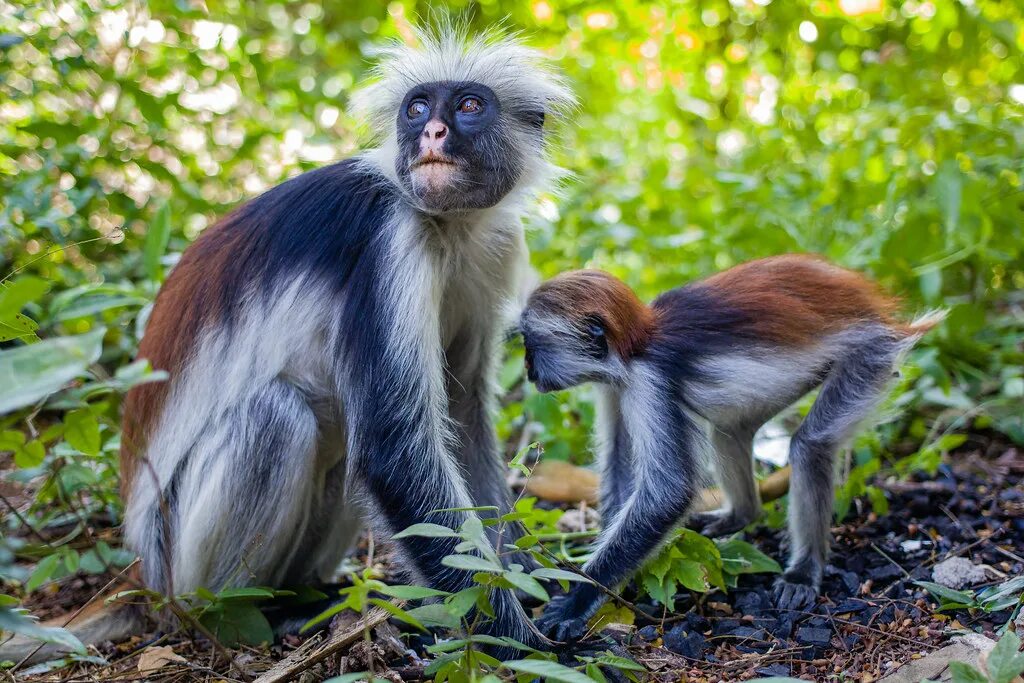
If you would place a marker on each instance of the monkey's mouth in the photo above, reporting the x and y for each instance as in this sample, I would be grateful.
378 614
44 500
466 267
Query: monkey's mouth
433 160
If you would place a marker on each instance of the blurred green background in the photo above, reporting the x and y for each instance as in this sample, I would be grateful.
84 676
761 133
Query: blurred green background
886 135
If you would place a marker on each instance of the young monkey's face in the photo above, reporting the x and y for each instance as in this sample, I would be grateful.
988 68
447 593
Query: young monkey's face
563 352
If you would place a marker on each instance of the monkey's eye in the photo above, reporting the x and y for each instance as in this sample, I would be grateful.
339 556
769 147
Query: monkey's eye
470 105
417 110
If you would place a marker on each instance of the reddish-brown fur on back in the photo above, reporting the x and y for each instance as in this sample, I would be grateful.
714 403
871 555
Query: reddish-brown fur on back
191 297
794 298
580 293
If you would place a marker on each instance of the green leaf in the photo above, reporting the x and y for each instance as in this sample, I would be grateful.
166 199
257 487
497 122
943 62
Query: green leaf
399 613
17 621
558 575
82 431
412 592
31 373
436 615
245 593
691 574
1004 662
740 557
157 235
42 573
427 530
471 563
550 670
946 594
238 623
527 584
965 673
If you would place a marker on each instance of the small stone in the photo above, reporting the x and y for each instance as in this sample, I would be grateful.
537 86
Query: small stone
808 635
689 645
773 670
648 633
747 632
957 572
849 607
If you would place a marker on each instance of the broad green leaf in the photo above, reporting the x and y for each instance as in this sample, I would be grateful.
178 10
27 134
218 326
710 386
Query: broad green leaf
16 621
237 623
412 592
946 594
558 575
965 673
42 573
527 584
427 530
740 557
157 235
82 431
471 563
31 373
552 671
1005 662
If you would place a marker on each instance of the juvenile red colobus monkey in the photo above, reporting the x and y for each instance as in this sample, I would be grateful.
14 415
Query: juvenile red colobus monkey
699 370
331 343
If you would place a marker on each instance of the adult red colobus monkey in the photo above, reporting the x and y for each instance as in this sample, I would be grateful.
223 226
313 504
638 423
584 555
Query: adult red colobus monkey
330 344
699 370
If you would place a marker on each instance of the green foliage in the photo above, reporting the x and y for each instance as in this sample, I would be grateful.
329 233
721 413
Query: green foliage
1006 595
695 563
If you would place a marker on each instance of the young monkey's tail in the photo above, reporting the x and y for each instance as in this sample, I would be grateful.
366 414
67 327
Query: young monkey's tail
922 324
98 622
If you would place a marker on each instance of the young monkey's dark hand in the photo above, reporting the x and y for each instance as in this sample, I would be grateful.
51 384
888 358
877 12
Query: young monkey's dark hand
565 618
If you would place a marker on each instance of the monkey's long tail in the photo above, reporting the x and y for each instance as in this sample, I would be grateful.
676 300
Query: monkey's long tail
922 324
97 623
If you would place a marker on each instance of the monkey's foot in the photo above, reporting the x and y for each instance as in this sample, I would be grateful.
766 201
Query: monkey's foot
792 595
718 522
565 618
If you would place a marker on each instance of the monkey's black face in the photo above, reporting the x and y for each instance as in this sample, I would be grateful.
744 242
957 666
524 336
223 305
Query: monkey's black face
454 153
560 355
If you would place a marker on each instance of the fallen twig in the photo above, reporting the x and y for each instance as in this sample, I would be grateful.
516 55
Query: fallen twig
298 661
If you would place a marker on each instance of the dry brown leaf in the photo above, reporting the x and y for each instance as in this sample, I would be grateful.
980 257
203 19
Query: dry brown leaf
155 658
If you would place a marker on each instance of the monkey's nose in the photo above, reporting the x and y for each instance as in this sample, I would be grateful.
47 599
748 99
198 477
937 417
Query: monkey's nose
435 130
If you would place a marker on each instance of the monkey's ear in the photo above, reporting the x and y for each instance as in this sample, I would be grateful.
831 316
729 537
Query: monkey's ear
595 329
535 118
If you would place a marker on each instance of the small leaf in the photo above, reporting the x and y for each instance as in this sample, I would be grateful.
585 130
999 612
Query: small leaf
238 623
965 673
30 373
412 592
551 670
750 560
1004 662
558 575
82 431
427 530
946 594
16 621
399 613
157 236
154 658
42 573
527 584
470 563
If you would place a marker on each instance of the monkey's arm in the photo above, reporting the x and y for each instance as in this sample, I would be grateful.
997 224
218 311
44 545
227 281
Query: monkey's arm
615 456
665 442
394 398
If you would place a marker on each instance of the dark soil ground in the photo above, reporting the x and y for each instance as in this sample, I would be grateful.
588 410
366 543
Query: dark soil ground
870 620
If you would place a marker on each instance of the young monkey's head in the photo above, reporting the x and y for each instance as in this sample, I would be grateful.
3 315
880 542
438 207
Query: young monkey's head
582 326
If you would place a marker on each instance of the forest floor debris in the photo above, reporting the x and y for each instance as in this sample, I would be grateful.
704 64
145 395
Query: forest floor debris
872 620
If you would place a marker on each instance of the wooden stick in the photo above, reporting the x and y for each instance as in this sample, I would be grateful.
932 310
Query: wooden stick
561 482
301 659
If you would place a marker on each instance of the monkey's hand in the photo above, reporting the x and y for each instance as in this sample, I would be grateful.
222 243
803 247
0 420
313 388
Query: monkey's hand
565 618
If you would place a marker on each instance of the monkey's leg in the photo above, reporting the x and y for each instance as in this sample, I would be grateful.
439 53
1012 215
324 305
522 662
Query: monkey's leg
615 456
242 501
849 394
734 465
665 440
